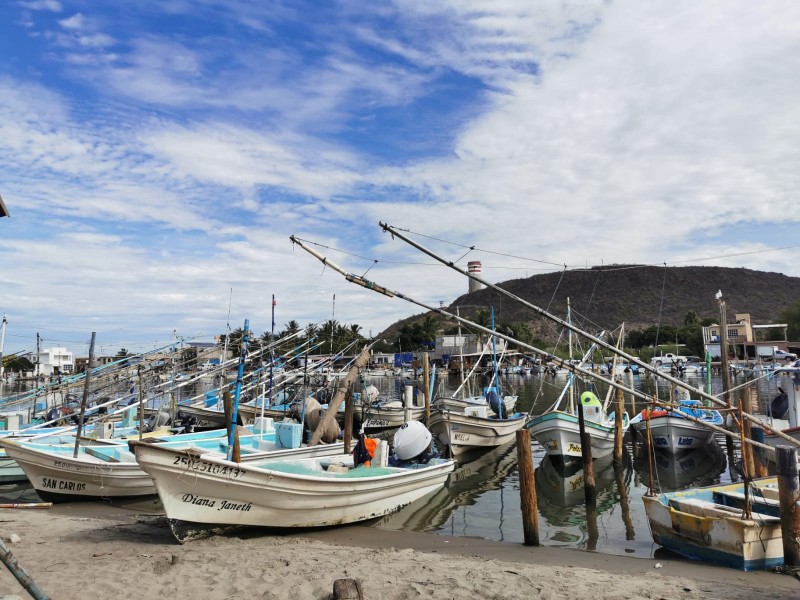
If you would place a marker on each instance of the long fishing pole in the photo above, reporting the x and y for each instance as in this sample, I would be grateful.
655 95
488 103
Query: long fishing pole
365 283
542 312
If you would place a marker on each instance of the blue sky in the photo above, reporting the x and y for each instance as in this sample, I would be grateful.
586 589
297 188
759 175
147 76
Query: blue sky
156 155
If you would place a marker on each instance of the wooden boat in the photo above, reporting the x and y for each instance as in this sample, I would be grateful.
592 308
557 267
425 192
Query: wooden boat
707 524
473 428
673 432
559 433
203 493
108 469
389 415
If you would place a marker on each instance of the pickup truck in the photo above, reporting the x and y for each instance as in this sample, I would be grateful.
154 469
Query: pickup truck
776 353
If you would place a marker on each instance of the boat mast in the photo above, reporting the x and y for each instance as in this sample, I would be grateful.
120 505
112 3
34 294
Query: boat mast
571 375
460 362
495 375
238 390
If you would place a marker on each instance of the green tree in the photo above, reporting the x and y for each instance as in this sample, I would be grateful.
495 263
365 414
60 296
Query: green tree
791 316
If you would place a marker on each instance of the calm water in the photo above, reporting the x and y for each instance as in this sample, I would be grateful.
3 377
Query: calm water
481 498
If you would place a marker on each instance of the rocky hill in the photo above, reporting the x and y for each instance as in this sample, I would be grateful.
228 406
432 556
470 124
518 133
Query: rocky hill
638 295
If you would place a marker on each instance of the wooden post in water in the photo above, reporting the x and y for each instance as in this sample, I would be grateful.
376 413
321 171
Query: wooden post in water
618 433
619 476
759 454
633 396
586 456
789 494
348 418
747 454
527 488
89 367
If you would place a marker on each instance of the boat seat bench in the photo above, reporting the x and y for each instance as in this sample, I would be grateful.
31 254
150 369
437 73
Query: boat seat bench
704 508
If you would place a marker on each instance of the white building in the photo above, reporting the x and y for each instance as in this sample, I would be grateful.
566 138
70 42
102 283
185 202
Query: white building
54 359
468 344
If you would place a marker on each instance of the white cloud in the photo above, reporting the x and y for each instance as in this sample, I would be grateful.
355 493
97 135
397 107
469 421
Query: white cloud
624 132
47 5
75 22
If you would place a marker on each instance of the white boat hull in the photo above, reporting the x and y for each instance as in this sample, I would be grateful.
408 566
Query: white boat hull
211 491
463 433
675 434
559 434
390 418
60 477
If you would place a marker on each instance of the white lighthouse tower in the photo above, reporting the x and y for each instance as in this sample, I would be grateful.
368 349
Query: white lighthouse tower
474 268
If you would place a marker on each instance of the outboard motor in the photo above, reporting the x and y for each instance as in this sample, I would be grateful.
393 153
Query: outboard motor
411 444
496 404
779 407
186 422
157 420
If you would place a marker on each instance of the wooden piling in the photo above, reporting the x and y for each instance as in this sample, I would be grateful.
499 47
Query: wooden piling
789 493
589 487
593 533
759 454
527 488
619 476
618 433
633 396
348 418
748 457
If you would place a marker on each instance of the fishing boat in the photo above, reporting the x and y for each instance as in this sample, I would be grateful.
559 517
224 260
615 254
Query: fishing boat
707 523
670 430
204 493
461 432
559 432
106 468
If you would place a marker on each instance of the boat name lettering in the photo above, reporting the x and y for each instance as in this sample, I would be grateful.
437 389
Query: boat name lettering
461 437
376 423
198 501
66 466
245 507
685 441
65 486
574 447
206 467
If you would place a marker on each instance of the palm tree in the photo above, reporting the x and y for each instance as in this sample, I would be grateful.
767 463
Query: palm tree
292 327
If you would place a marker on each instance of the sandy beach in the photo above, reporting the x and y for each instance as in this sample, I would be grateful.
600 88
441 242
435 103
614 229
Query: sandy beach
82 551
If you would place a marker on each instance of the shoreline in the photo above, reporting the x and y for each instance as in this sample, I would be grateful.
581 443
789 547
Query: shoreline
133 553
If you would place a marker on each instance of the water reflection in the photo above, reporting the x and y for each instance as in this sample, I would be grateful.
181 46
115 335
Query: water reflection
699 467
476 474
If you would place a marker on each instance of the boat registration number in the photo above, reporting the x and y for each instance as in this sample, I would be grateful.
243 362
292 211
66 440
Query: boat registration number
201 466
374 423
